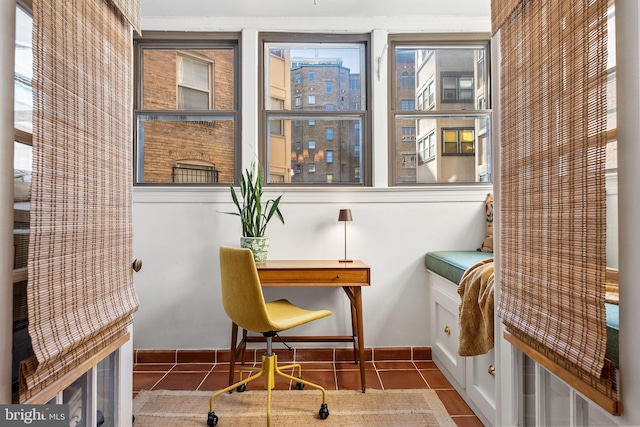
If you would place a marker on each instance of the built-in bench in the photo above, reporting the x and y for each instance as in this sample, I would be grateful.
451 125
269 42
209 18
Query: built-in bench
452 264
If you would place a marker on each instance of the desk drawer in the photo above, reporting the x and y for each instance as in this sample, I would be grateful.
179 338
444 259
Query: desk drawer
310 276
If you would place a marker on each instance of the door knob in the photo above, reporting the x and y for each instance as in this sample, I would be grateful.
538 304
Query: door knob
447 330
137 265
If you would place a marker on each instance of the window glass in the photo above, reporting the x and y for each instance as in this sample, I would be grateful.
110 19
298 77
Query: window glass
186 110
194 83
23 94
439 89
324 104
335 157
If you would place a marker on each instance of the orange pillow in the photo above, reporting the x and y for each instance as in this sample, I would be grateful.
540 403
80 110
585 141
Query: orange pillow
487 244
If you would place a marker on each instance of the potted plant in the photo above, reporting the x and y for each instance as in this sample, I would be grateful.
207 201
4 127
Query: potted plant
254 215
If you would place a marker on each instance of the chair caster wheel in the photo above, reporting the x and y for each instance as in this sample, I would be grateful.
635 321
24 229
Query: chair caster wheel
324 411
212 419
299 385
241 388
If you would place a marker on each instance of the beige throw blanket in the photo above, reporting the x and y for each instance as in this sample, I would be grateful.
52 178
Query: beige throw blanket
476 309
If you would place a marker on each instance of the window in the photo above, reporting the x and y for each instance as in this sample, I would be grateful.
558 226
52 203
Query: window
427 148
457 87
408 160
329 156
329 133
334 119
430 95
164 135
298 78
277 126
408 104
23 95
458 141
194 83
451 139
405 79
194 171
409 134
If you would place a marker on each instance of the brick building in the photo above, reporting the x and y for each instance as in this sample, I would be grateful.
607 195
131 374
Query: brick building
325 151
181 148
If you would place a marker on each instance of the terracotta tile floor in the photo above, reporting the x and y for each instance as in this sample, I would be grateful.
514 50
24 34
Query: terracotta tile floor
170 371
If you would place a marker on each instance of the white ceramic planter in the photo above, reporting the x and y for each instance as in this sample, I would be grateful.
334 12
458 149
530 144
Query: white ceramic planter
258 245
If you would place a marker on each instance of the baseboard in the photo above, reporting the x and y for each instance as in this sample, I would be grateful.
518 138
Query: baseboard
297 355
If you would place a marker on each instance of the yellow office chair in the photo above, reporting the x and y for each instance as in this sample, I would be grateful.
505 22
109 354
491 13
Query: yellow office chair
244 303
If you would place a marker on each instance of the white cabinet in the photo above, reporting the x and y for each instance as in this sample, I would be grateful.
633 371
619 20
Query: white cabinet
447 330
472 377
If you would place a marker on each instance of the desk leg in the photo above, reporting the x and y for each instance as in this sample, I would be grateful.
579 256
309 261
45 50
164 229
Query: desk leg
354 330
360 334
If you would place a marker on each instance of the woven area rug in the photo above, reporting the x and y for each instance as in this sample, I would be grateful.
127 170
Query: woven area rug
375 408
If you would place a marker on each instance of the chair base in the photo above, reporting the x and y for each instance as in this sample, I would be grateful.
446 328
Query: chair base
269 370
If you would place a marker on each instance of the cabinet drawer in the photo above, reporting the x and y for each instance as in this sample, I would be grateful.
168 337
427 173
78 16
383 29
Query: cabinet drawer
481 383
310 276
314 276
446 335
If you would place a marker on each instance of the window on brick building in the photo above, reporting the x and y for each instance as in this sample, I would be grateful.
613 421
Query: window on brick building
194 83
328 108
186 107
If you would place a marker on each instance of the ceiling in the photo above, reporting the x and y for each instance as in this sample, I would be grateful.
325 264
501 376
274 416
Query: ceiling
319 8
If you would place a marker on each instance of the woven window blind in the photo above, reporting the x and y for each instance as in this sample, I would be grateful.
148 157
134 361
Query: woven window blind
130 10
500 11
553 207
80 292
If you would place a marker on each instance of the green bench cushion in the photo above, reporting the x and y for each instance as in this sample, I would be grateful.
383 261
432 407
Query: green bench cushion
452 264
613 328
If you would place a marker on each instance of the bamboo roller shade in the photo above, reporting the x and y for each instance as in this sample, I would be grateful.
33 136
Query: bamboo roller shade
80 292
553 207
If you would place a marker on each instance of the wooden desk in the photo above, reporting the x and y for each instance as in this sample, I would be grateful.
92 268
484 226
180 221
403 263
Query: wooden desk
351 276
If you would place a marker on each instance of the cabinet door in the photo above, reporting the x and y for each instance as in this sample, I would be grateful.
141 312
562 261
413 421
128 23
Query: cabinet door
481 383
447 330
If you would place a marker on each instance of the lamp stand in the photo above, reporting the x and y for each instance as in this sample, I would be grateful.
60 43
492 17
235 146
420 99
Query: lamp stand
345 245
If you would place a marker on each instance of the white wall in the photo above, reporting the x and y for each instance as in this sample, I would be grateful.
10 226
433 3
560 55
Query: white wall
7 49
177 236
628 99
177 232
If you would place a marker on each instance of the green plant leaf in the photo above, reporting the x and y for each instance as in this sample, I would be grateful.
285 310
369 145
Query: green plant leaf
253 214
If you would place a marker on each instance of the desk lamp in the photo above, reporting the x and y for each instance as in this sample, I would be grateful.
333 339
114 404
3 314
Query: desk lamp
344 216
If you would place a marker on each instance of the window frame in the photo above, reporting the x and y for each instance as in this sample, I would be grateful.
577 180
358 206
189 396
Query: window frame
364 114
427 44
181 41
